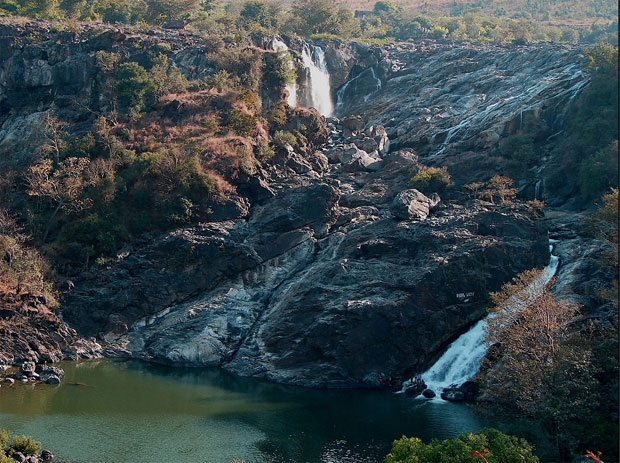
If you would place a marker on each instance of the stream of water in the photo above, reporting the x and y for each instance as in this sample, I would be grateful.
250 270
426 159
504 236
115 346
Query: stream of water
462 359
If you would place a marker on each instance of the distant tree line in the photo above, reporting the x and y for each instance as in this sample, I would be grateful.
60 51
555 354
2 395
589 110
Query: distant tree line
386 21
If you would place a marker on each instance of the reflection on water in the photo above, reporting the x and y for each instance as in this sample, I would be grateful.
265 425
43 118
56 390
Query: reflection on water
133 412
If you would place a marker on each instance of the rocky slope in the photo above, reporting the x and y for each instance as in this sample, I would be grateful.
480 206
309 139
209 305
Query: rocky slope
324 268
346 277
31 332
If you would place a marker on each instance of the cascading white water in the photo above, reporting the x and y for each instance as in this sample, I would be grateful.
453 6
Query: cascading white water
574 77
280 46
320 90
342 91
462 360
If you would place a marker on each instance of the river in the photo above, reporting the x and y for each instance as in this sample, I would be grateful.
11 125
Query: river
133 412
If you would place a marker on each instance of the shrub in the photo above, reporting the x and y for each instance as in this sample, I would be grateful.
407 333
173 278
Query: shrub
166 77
5 438
519 148
241 123
281 138
132 86
266 151
277 116
600 173
25 444
488 445
431 180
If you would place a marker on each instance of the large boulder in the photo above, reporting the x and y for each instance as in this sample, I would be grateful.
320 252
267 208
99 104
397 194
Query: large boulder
413 204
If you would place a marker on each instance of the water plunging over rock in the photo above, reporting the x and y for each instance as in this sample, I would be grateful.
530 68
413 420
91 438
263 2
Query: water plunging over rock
462 360
318 88
363 85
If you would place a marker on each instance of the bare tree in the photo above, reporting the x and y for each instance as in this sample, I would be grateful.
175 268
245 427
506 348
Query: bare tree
544 365
62 186
502 187
54 131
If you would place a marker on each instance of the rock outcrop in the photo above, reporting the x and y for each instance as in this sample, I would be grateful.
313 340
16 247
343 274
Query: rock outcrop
324 267
323 285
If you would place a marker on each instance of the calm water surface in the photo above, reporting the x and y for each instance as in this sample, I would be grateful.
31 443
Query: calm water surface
130 412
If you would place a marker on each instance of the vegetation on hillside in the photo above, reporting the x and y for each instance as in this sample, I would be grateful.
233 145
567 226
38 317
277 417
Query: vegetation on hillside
548 363
163 152
385 20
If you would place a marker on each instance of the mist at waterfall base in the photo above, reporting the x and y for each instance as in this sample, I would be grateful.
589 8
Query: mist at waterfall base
462 359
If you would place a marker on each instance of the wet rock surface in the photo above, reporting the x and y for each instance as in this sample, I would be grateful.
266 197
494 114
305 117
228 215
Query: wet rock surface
322 284
325 268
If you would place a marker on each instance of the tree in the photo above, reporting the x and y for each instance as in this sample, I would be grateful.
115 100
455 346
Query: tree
502 187
256 12
474 188
55 133
132 86
315 17
543 366
605 224
160 11
487 446
62 186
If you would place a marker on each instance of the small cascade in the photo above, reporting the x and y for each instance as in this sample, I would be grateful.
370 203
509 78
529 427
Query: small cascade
279 46
319 95
462 360
352 85
532 97
537 189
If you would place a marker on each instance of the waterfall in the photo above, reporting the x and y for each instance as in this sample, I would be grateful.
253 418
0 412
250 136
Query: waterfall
340 94
462 360
537 189
320 90
279 46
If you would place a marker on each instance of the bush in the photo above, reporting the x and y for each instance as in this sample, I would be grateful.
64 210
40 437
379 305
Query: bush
519 148
25 444
241 123
5 438
133 85
431 180
600 173
281 138
488 445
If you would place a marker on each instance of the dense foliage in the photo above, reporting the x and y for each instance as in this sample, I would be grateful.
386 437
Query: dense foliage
489 445
474 21
163 151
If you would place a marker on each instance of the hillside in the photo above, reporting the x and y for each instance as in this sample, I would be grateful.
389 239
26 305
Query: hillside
315 212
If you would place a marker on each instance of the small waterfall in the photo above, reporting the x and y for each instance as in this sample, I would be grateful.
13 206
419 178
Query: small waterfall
320 90
537 189
279 46
462 360
341 93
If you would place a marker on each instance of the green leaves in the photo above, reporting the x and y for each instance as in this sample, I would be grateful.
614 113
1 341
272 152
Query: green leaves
487 446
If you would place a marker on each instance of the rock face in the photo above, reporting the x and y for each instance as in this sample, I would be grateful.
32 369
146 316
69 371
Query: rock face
324 268
30 333
323 284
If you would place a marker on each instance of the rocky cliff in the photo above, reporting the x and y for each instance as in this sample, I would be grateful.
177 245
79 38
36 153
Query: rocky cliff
324 267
